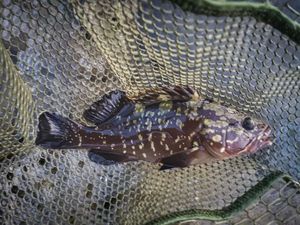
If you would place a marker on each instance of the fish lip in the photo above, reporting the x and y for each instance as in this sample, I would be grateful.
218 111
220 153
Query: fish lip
264 140
266 133
267 130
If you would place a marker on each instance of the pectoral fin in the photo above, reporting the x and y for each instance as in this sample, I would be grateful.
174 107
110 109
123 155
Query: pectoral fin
186 158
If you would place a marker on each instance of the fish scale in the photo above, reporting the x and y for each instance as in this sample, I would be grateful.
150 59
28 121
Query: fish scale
173 126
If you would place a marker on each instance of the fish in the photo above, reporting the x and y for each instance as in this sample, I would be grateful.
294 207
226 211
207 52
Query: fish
173 126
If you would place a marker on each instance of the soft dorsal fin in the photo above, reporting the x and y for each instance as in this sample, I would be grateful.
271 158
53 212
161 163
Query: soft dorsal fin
106 108
175 93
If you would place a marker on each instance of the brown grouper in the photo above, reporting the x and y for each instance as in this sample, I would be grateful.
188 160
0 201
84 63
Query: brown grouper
173 126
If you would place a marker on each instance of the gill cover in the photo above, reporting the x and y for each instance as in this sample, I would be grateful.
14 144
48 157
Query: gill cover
227 132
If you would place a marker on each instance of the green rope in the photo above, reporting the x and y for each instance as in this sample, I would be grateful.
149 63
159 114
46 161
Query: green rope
238 205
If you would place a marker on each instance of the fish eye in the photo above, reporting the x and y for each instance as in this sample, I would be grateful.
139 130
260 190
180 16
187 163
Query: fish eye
248 124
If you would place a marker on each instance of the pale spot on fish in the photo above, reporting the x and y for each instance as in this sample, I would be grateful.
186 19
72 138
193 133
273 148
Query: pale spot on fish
144 155
212 131
222 150
207 122
139 108
124 152
165 105
140 137
195 149
179 123
80 141
152 146
217 138
232 141
149 126
133 152
195 144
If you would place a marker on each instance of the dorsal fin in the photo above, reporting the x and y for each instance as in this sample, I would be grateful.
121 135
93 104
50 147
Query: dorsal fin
175 93
106 108
114 102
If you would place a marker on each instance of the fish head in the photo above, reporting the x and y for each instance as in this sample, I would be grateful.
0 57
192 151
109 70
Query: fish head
227 132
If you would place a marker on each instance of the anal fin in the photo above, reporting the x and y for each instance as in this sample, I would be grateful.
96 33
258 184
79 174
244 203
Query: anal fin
109 158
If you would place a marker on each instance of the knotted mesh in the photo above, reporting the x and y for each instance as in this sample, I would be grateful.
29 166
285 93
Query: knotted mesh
61 56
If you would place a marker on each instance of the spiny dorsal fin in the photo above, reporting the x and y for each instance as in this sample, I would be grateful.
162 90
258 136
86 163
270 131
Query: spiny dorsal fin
175 93
106 108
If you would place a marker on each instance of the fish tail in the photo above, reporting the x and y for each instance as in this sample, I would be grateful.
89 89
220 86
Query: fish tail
56 131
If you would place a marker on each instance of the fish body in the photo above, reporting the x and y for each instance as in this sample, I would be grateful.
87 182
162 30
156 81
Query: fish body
173 126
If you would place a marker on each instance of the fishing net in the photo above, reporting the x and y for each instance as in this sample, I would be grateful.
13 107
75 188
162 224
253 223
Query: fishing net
61 56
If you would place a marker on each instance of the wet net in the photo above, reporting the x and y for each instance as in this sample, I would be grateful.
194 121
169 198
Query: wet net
61 56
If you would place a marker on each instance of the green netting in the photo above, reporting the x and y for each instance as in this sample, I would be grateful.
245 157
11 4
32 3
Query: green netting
61 56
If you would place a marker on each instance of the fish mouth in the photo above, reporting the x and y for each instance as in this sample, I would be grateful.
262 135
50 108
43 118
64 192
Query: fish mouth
263 140
266 134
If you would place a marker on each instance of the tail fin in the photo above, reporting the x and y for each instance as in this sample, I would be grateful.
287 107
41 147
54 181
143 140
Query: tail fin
56 131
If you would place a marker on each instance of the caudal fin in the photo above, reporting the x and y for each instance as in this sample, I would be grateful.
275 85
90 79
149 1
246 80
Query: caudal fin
56 131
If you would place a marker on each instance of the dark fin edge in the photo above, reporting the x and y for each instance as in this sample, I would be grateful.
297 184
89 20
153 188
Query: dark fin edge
109 158
166 167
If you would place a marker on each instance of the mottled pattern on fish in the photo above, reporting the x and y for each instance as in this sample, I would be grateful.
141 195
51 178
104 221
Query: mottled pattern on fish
172 125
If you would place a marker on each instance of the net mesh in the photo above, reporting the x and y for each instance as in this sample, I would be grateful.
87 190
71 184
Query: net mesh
61 56
277 206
